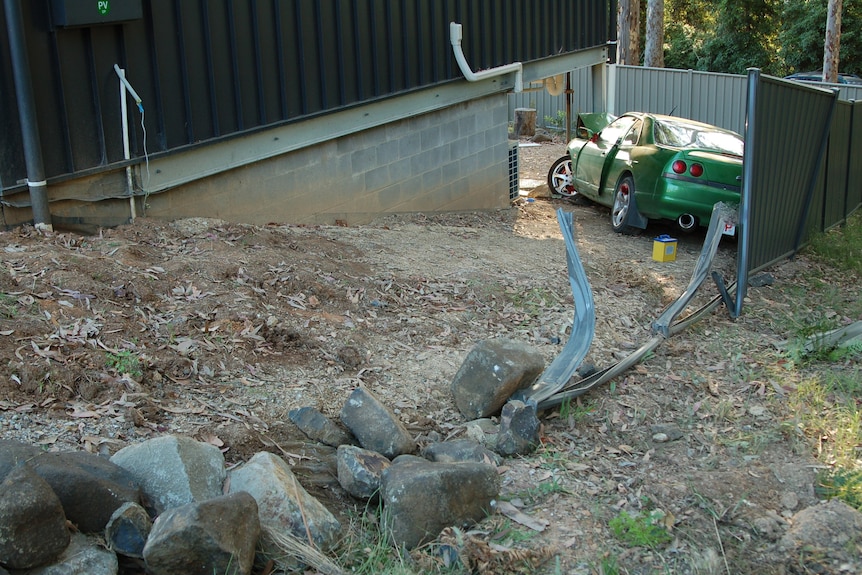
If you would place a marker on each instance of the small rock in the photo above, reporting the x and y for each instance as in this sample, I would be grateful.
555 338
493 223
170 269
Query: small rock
127 531
671 431
422 497
214 536
660 437
492 371
461 450
375 426
32 524
359 471
318 427
285 506
519 429
483 431
789 500
767 527
761 280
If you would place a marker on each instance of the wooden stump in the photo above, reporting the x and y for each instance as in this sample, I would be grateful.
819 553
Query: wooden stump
525 122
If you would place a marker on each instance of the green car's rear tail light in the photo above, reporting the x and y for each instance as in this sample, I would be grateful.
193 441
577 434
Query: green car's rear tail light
680 167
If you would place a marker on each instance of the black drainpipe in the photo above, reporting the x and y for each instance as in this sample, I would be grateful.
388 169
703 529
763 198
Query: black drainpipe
27 115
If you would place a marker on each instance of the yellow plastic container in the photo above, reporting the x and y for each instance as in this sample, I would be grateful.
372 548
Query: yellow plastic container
664 248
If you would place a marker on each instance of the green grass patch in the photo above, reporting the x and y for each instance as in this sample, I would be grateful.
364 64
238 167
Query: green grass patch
124 362
841 247
646 529
826 410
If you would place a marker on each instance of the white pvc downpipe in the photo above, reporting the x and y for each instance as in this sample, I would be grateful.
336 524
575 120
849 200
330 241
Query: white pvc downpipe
124 87
455 36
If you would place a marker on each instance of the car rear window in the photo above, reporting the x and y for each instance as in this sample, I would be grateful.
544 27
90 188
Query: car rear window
693 136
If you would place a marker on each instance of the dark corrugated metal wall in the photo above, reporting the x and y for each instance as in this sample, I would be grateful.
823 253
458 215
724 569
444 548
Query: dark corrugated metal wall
786 156
801 170
208 70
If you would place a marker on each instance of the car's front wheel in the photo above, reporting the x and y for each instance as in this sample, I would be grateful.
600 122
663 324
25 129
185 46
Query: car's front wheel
623 209
560 179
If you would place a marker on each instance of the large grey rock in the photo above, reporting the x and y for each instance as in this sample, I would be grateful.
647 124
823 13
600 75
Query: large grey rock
90 487
127 531
214 536
519 429
32 524
492 371
375 426
460 450
359 471
174 470
84 556
285 506
421 497
318 427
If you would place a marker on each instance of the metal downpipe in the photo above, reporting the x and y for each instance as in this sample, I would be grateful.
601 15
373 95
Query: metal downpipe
27 115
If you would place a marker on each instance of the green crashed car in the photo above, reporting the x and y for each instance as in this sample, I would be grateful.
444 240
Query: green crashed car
650 167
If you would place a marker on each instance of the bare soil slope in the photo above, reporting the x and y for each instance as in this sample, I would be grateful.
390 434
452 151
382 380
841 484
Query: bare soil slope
217 330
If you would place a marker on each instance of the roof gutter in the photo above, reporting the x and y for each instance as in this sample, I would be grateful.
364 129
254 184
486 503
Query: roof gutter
455 36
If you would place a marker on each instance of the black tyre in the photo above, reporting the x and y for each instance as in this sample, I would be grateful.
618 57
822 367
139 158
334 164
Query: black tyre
623 210
560 179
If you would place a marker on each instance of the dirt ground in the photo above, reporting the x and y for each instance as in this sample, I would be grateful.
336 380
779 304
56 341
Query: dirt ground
216 330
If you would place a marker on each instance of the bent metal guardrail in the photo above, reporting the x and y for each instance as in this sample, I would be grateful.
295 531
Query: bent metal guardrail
555 384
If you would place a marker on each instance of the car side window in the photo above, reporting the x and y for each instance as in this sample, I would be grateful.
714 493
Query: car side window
631 138
617 129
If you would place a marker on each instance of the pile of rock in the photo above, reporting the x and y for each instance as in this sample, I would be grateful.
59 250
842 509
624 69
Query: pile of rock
170 503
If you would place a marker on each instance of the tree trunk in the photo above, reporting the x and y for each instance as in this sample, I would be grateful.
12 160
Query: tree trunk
654 54
833 41
628 32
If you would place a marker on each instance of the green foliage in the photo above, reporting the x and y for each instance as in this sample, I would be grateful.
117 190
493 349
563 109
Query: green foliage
124 362
777 36
845 484
803 31
641 530
557 122
841 247
745 37
826 410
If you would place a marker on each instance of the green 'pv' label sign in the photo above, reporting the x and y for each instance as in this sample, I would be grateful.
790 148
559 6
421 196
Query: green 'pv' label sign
104 7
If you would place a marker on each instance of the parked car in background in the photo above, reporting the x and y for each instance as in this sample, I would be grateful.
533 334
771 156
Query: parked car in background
651 167
818 77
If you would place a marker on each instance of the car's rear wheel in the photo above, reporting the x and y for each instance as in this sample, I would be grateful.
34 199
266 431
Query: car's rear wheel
560 179
623 209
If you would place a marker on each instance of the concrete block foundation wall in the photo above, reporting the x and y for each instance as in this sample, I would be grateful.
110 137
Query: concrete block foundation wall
454 159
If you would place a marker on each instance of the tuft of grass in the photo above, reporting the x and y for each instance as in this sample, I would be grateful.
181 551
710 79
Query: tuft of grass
641 530
841 247
826 410
124 362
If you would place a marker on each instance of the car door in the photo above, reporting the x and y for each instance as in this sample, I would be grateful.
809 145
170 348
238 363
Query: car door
595 156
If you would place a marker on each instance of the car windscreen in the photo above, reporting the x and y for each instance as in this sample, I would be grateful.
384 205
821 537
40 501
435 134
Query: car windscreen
684 135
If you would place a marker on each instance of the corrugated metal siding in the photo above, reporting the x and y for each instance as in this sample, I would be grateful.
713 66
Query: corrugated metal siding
784 157
834 200
717 99
854 161
207 70
547 106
